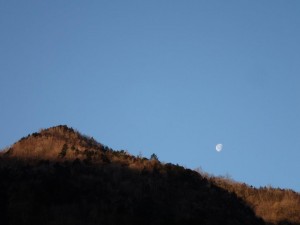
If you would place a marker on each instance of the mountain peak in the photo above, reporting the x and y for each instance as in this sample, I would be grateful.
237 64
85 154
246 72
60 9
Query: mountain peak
66 163
54 143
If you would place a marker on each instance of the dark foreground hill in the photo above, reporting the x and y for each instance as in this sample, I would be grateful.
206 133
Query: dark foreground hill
58 176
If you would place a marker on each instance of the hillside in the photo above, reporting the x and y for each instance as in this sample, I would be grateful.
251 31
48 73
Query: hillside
274 205
59 176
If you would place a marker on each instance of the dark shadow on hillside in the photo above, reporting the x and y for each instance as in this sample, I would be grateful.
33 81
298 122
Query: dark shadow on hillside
284 222
59 176
81 192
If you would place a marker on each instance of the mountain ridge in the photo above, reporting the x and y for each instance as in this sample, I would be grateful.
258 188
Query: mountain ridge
63 152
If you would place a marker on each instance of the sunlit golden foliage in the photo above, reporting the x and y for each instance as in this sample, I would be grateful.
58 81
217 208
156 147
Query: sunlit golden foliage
59 176
274 205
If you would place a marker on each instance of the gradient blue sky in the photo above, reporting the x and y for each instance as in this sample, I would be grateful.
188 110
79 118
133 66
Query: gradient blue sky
167 77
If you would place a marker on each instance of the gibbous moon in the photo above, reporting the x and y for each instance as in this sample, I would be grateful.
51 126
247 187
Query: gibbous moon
219 147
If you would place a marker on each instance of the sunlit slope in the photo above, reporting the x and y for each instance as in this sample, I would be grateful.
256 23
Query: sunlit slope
274 205
59 176
54 143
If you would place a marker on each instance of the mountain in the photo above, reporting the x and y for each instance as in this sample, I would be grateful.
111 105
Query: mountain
59 176
274 205
60 142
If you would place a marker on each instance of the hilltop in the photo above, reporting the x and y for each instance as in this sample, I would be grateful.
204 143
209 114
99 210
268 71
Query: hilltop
59 176
54 143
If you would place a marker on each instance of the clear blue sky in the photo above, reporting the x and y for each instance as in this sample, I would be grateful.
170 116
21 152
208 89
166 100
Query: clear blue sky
167 77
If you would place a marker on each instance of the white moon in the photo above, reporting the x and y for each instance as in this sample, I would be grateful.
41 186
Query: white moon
219 147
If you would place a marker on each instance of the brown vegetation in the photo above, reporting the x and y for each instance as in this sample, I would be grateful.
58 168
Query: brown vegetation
58 176
274 205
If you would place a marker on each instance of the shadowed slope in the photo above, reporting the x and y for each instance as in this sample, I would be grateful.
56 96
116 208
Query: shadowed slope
59 176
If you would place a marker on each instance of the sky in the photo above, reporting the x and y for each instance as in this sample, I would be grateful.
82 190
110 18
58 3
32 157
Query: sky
174 78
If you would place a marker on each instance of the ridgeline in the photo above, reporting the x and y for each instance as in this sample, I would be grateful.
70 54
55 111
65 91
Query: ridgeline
61 177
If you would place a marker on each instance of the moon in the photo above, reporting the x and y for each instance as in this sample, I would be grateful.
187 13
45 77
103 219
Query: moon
219 147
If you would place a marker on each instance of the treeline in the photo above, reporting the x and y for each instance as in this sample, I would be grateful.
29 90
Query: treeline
59 176
81 192
274 205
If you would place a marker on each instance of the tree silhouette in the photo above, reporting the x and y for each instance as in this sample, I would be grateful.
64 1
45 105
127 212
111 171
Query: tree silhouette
154 157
